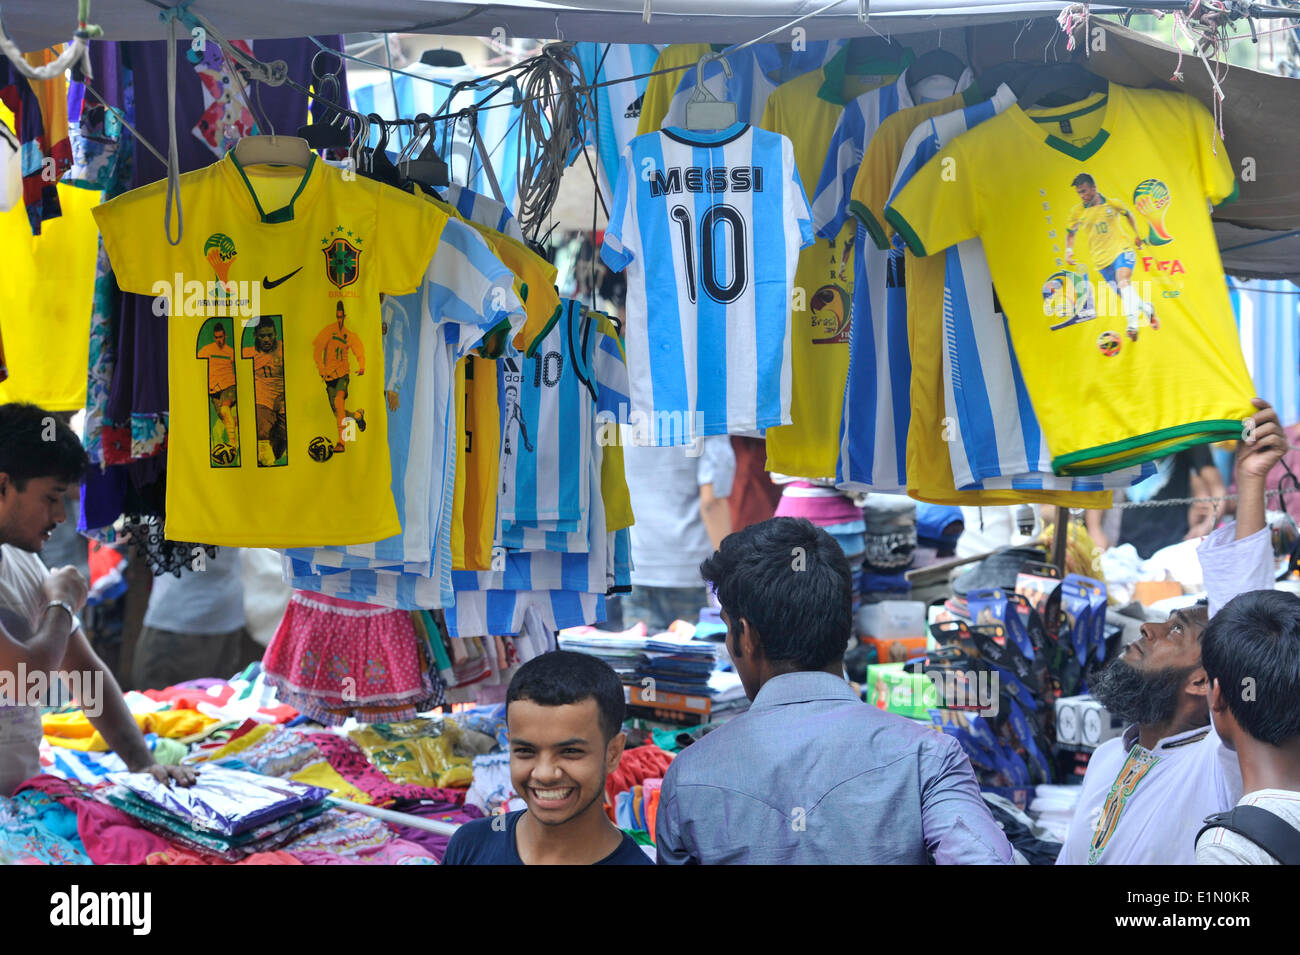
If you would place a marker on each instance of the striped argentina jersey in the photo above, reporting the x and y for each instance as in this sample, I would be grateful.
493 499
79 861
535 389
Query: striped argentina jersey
618 104
709 226
484 210
466 292
874 409
995 442
547 428
605 377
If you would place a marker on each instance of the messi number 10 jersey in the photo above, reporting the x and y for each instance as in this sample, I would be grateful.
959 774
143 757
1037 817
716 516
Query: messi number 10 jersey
709 226
278 431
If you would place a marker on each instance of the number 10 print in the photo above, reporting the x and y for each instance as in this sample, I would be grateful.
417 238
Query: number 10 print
713 274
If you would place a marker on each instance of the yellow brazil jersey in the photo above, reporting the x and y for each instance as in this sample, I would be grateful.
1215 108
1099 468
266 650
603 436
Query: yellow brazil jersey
1146 358
929 465
285 252
478 461
47 288
660 89
805 110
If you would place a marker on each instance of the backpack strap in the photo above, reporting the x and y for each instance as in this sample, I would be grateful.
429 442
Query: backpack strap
1270 832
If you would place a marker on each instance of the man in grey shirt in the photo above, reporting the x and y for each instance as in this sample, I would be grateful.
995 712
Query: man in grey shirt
811 774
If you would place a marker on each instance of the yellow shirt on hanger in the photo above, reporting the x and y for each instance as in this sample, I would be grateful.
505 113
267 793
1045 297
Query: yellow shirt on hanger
287 251
805 111
1144 359
47 291
660 89
929 466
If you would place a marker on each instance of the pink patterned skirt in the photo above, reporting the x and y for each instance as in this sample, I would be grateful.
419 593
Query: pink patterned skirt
332 658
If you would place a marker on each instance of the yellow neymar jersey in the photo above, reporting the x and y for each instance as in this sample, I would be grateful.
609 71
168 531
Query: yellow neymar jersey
929 465
295 252
805 111
47 289
1144 359
660 89
478 461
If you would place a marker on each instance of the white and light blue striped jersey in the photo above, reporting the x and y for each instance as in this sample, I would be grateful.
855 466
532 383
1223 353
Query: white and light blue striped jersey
482 209
618 105
501 612
708 226
876 405
547 427
997 442
466 292
756 71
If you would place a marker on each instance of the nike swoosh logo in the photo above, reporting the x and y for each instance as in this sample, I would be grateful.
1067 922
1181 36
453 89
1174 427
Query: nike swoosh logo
267 283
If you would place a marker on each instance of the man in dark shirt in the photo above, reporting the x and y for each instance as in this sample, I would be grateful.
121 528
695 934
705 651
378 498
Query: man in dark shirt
1189 473
565 714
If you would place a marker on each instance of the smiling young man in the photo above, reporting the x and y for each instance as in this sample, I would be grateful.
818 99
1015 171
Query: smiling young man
811 774
39 630
1146 792
565 715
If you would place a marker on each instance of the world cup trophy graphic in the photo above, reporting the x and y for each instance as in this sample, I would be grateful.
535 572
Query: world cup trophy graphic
1151 198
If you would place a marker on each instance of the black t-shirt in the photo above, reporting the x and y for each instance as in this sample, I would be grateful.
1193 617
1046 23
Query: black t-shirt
1150 528
478 843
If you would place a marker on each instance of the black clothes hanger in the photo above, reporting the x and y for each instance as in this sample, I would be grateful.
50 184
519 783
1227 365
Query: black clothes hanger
442 57
427 170
334 132
376 164
1058 85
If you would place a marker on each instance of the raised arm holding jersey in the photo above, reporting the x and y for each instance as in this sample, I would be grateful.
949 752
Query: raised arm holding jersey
1146 793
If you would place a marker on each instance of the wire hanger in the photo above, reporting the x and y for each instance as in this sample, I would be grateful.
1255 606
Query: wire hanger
331 132
703 109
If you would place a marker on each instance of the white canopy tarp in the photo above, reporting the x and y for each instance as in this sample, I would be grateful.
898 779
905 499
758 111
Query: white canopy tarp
38 23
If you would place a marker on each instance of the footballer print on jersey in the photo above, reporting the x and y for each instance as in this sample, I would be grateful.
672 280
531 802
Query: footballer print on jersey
214 348
263 345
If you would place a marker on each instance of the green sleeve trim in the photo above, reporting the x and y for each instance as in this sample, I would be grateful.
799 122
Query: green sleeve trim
1139 449
870 223
1232 196
493 344
903 228
531 350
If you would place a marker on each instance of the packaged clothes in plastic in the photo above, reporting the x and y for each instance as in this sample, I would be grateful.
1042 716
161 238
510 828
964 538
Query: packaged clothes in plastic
225 801
420 751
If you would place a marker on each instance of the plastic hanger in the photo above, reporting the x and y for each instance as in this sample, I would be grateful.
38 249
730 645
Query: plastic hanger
1057 85
377 165
428 169
703 109
331 133
442 57
274 151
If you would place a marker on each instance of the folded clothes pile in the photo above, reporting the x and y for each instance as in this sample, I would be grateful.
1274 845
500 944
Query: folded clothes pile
228 814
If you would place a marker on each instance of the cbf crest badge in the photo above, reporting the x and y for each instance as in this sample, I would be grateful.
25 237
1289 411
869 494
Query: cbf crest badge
342 257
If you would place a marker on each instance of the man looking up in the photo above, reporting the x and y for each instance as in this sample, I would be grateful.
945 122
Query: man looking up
565 715
1146 792
811 774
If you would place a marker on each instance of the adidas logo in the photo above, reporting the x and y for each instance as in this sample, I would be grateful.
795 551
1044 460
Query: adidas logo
634 108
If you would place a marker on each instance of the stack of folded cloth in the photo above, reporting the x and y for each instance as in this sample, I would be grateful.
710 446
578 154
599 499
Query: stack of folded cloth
228 814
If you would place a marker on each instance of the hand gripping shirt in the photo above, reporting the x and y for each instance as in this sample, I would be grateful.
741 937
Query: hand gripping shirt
1125 360
709 226
276 250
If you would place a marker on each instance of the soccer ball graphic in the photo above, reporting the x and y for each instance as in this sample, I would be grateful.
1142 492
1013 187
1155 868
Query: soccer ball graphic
320 448
1109 344
224 454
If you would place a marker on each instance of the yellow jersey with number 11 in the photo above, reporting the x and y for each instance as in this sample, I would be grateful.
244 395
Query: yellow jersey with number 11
271 258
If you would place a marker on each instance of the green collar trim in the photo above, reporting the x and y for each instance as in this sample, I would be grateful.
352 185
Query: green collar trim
285 213
838 66
1079 152
1082 111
